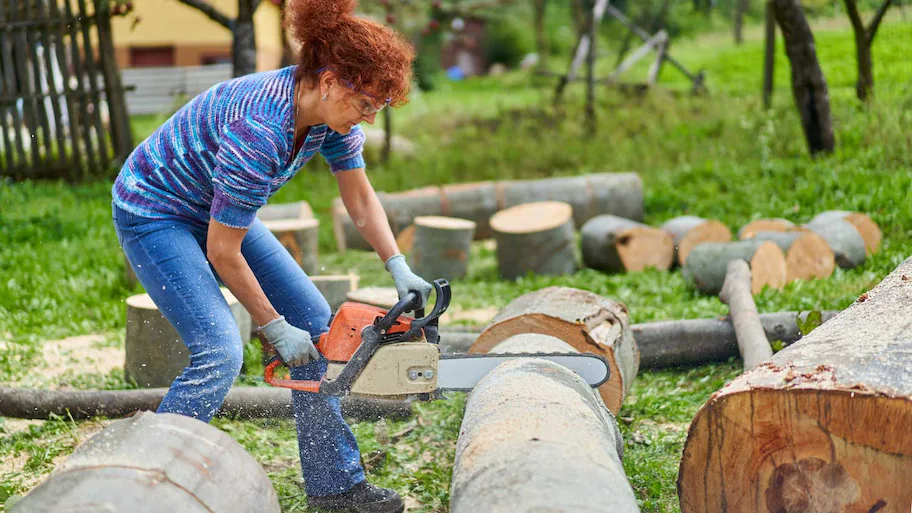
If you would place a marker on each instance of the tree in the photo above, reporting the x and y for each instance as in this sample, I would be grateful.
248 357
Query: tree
741 7
864 38
243 47
809 86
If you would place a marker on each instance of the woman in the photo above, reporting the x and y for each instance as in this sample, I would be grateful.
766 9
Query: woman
184 208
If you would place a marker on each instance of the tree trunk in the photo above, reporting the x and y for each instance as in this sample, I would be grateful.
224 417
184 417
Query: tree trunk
535 437
822 426
741 7
615 244
541 38
843 238
807 255
688 231
809 86
736 293
707 263
535 238
301 238
769 54
243 55
441 247
864 38
586 321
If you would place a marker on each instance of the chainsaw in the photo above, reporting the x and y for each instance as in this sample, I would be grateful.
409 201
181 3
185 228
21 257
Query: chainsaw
379 353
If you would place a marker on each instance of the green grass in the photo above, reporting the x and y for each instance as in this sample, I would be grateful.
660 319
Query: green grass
718 156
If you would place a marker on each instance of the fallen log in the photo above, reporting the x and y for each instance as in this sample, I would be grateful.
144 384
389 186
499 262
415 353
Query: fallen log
586 321
843 238
822 426
706 264
736 293
151 463
866 226
301 238
534 437
294 210
615 244
807 255
476 202
241 402
535 238
765 225
441 247
688 231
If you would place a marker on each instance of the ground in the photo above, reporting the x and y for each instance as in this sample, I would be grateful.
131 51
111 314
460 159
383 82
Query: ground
720 156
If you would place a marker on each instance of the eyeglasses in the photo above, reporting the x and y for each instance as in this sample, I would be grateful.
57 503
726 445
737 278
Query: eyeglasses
366 108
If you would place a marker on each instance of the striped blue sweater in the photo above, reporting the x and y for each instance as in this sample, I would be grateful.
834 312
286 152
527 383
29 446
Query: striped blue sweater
225 152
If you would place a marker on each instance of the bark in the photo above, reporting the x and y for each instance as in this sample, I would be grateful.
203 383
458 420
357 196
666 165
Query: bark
541 39
300 237
736 293
769 54
243 54
822 426
155 462
441 247
866 226
741 7
585 321
535 238
688 231
615 244
864 38
707 264
335 288
843 238
535 437
809 87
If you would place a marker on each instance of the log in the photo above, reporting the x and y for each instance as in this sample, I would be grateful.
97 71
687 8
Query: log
685 342
336 287
866 226
807 255
847 244
151 463
616 244
535 238
707 263
441 247
586 321
155 354
242 402
476 202
822 426
301 237
345 229
736 293
688 231
294 210
384 297
765 225
534 437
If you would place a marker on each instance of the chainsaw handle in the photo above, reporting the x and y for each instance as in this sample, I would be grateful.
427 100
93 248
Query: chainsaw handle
304 386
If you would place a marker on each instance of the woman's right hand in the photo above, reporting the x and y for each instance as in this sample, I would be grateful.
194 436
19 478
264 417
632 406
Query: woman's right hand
293 344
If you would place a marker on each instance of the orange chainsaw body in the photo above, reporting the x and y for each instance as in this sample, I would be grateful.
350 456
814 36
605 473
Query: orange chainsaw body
344 335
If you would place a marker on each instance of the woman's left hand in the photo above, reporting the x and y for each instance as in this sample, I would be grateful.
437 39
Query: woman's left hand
406 280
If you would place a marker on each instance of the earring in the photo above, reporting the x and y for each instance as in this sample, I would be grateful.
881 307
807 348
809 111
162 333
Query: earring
324 97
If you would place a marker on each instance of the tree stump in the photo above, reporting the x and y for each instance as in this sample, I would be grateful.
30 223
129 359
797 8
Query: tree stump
301 238
336 287
866 226
345 229
294 210
707 263
586 321
688 231
615 244
535 238
765 225
155 354
822 426
476 202
441 247
847 244
535 437
807 255
150 463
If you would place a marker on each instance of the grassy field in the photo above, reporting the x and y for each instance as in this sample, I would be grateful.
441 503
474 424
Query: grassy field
720 156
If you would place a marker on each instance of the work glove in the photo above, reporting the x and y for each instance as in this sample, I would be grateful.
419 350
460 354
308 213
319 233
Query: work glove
406 280
293 344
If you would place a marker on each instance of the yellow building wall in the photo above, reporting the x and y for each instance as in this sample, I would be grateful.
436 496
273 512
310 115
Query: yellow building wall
192 33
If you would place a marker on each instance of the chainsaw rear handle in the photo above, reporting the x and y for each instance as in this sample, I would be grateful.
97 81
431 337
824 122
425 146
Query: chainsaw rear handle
411 302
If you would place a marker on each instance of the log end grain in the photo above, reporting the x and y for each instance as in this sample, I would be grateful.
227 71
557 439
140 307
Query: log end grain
868 229
809 257
532 217
765 225
643 247
768 267
290 225
710 230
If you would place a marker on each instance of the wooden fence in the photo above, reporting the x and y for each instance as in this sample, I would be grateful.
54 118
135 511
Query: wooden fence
162 90
62 108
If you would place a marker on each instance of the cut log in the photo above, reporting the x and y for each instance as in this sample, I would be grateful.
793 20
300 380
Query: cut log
688 231
384 297
345 229
152 463
476 202
301 237
441 247
294 210
534 437
847 244
535 238
616 244
242 402
706 264
155 354
807 255
336 287
406 239
403 207
765 225
866 226
686 342
586 321
822 426
736 293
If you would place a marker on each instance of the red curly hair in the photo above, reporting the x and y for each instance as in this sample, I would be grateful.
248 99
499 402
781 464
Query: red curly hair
372 56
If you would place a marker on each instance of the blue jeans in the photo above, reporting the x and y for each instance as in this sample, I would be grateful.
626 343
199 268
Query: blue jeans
169 258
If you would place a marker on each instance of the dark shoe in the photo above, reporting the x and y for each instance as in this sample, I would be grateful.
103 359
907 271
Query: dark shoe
361 498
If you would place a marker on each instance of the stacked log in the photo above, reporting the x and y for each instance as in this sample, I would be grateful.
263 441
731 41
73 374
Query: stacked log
615 244
534 437
822 426
294 210
688 231
441 247
619 194
586 321
849 250
765 225
807 255
301 238
535 238
866 227
707 263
